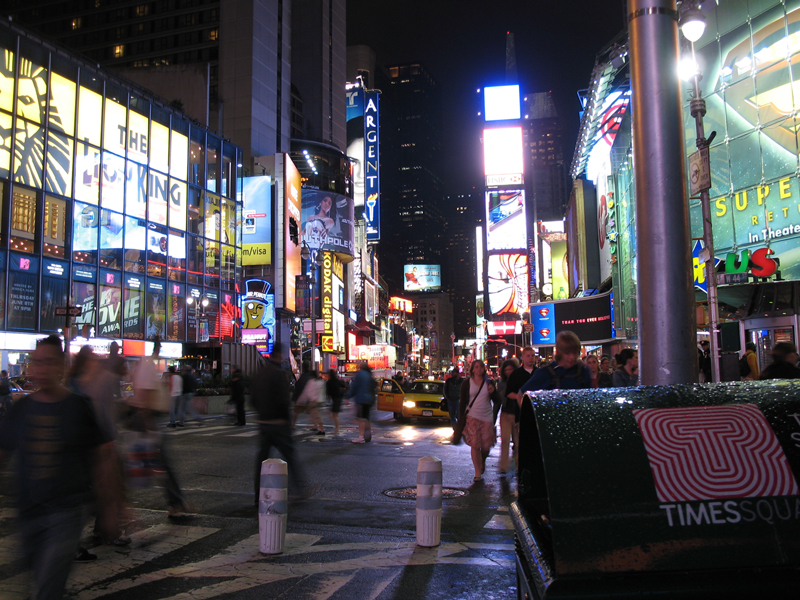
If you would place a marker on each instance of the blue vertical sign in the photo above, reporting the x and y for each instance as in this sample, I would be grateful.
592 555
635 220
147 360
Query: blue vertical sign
543 317
372 189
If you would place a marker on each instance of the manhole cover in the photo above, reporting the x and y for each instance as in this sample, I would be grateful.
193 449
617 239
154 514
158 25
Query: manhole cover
410 493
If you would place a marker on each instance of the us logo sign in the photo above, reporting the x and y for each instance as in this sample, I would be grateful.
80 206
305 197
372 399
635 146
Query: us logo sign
713 453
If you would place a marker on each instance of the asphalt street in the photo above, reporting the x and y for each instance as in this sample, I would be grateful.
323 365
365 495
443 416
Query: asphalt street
349 541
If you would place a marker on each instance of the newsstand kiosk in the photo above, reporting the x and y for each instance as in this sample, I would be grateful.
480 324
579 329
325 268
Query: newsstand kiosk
686 491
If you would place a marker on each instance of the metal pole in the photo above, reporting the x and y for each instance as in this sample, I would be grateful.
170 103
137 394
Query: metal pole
313 313
667 337
698 110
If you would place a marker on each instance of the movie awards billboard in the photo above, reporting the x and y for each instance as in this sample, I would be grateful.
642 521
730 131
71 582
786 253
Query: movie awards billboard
258 315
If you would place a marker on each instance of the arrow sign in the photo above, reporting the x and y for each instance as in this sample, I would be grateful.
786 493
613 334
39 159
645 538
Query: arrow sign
72 311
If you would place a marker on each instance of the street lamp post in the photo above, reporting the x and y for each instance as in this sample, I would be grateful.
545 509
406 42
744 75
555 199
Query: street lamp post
692 26
314 260
199 312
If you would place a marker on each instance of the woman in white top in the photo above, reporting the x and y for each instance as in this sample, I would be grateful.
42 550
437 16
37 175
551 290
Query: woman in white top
476 415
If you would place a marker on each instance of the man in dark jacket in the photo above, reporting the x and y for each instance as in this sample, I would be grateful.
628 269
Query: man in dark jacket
452 392
271 395
784 363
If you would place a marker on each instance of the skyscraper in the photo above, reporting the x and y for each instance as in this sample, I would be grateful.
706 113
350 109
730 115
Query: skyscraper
463 214
411 172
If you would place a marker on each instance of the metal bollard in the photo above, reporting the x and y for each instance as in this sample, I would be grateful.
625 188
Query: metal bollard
429 501
272 506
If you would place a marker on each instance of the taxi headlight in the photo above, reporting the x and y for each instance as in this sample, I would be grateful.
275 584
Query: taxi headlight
409 404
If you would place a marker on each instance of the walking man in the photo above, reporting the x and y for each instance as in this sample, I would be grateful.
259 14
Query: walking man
64 456
362 390
565 372
271 396
452 393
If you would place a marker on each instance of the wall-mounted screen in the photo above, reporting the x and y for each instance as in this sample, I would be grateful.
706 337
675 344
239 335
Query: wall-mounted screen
505 218
422 278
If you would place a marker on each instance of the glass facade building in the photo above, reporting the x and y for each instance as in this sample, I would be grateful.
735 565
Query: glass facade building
113 202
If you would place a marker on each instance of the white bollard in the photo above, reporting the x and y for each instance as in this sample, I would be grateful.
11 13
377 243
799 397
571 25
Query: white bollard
429 501
272 506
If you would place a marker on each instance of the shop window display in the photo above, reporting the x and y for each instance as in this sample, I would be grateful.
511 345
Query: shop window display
55 227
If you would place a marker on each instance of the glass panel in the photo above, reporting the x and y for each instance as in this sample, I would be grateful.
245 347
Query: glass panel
156 251
176 312
194 209
212 264
138 141
746 155
90 104
157 205
177 256
113 182
211 314
159 141
32 87
133 319
194 265
62 104
228 217
84 287
156 310
228 170
109 322
55 227
227 316
135 241
85 225
28 153
212 217
197 157
136 190
212 163
227 268
58 178
179 154
116 122
193 314
111 237
7 80
23 219
87 173
177 204
5 144
23 286
54 294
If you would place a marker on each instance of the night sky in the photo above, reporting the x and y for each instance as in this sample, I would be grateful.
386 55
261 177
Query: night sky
462 44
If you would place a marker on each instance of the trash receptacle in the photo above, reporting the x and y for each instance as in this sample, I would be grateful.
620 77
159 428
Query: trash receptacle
685 491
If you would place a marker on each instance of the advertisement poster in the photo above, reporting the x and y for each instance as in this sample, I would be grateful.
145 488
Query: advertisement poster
86 220
258 315
560 270
505 214
176 312
292 192
355 141
422 278
508 284
23 283
54 294
257 221
156 310
133 314
110 309
328 221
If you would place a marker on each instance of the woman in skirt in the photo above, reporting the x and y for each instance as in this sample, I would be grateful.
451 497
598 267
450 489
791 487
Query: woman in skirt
476 416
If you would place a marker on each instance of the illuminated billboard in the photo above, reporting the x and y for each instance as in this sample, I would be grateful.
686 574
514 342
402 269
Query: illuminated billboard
508 284
372 166
591 318
328 221
422 278
291 248
257 221
501 102
258 315
502 151
355 141
505 218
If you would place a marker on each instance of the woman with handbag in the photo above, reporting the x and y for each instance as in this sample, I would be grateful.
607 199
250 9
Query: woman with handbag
476 416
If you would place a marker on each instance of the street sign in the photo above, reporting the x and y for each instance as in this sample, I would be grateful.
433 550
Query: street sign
72 311
729 278
527 327
699 172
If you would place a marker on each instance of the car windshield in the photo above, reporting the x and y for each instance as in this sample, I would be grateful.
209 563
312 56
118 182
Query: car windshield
427 387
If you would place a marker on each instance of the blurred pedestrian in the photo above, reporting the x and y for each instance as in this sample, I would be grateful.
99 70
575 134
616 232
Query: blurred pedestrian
335 389
600 379
362 390
784 362
750 371
271 394
627 373
63 457
509 417
452 394
186 403
115 362
565 372
476 416
309 401
175 385
237 395
301 381
5 393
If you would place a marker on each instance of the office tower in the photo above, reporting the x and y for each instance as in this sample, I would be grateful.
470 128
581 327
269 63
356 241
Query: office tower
463 214
547 159
411 172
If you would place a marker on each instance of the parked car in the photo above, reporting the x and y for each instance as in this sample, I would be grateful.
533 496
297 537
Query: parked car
422 400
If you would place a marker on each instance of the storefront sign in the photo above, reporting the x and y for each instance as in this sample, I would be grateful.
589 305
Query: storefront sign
401 304
372 174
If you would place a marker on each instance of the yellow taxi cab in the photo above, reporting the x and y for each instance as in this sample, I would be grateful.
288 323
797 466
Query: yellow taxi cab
422 400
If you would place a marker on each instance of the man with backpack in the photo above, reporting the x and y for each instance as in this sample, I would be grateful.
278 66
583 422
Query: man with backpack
565 372
748 364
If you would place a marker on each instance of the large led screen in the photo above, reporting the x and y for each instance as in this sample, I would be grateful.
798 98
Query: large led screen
505 215
422 278
591 318
501 102
257 216
502 151
258 315
507 275
355 142
328 221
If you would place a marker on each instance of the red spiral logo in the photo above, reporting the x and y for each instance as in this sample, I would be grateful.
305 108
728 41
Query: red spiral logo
712 452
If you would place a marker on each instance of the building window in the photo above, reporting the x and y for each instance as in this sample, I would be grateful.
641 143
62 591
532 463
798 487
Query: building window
213 35
77 23
55 219
142 10
23 219
119 51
